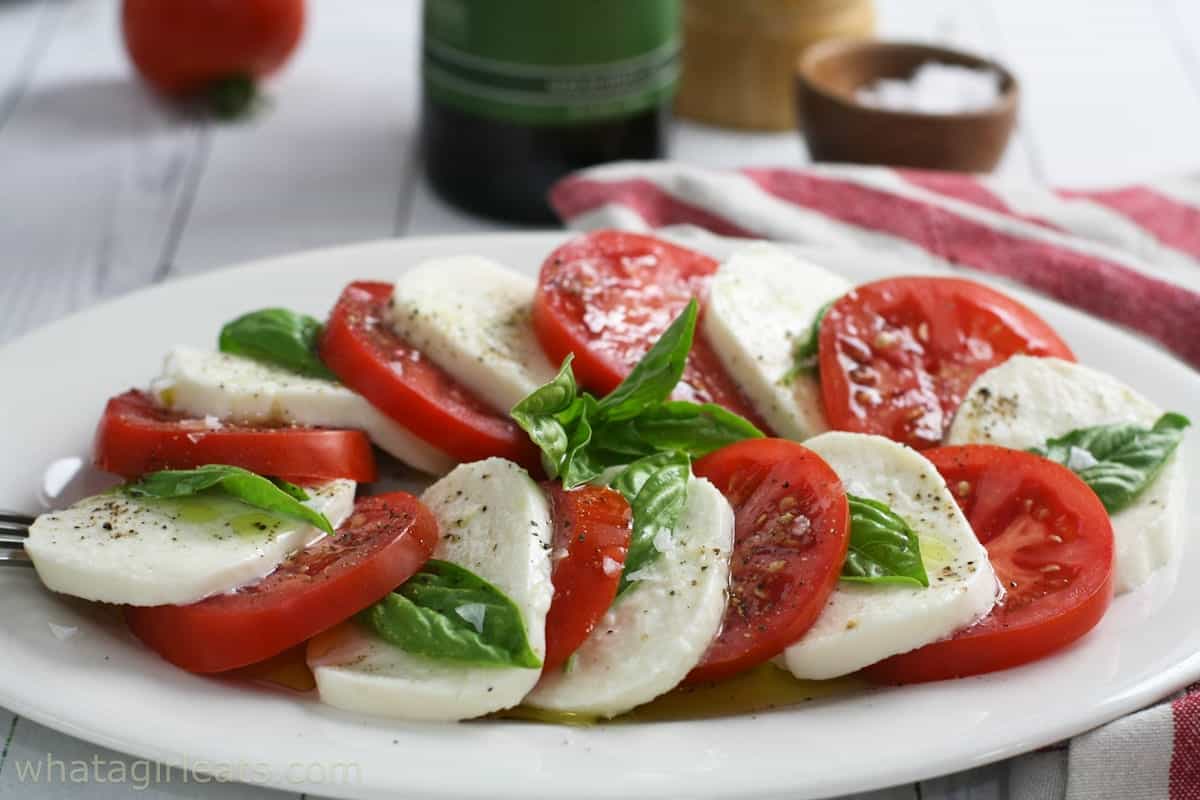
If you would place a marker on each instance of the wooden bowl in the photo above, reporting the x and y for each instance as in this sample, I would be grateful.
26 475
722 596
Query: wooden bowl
838 128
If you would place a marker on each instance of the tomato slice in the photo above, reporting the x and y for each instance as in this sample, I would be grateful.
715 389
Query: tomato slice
385 540
364 352
897 356
792 530
607 297
1051 544
592 526
136 436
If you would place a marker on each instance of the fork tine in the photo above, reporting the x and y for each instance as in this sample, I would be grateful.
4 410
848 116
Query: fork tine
14 558
15 517
13 529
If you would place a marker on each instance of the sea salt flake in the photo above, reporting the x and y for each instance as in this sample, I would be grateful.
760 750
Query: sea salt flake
1079 459
662 541
646 575
473 614
63 632
935 88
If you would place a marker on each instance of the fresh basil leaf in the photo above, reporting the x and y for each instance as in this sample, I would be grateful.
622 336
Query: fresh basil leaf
277 497
655 376
580 437
545 414
883 548
805 353
677 425
447 612
279 337
580 464
290 489
656 489
1118 461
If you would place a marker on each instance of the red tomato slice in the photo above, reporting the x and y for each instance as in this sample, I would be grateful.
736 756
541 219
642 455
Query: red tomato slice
136 436
792 529
385 540
361 349
1051 544
609 295
898 355
592 525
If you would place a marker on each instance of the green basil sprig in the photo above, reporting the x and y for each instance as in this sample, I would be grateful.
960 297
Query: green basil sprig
447 612
580 436
1118 461
675 425
270 494
805 353
278 337
656 488
883 548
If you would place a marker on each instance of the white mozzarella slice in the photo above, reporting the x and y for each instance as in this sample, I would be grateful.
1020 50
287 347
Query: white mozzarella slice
657 632
143 552
239 389
472 317
862 624
494 521
1025 401
760 302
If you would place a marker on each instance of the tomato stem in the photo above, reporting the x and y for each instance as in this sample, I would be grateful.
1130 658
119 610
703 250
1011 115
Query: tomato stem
233 96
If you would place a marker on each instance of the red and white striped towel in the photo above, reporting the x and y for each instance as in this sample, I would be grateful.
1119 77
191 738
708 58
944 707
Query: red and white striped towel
1130 256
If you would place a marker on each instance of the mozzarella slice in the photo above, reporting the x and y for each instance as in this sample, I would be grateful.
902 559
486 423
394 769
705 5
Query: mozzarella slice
1025 401
239 389
657 632
494 521
760 302
863 624
143 552
472 317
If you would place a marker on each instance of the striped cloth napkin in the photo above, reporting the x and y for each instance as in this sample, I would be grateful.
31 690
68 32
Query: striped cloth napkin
1129 255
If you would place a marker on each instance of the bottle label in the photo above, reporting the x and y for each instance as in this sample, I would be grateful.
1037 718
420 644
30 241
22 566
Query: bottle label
551 61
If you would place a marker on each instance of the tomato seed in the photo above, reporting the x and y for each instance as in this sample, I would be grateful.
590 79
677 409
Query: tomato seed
864 376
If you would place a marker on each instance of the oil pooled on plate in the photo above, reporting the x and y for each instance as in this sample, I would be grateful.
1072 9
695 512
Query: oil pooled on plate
761 689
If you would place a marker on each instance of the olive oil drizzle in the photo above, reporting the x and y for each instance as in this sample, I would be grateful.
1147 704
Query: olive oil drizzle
762 689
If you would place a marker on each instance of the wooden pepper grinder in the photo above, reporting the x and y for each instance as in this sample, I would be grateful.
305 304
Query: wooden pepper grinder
739 58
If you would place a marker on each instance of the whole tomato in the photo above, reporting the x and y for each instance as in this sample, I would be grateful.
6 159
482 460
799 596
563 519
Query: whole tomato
214 47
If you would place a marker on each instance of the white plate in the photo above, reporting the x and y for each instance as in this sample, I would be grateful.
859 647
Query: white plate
101 686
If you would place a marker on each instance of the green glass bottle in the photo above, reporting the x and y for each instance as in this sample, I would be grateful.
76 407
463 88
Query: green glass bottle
517 93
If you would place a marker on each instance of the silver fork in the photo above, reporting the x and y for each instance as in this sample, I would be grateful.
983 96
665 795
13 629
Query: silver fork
14 529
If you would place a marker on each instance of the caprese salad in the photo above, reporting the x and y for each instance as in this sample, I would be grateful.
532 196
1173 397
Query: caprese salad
652 470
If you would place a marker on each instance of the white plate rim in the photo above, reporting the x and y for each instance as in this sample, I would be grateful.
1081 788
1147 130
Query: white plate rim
877 774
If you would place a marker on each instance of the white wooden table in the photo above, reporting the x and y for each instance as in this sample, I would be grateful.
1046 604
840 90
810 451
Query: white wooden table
103 190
